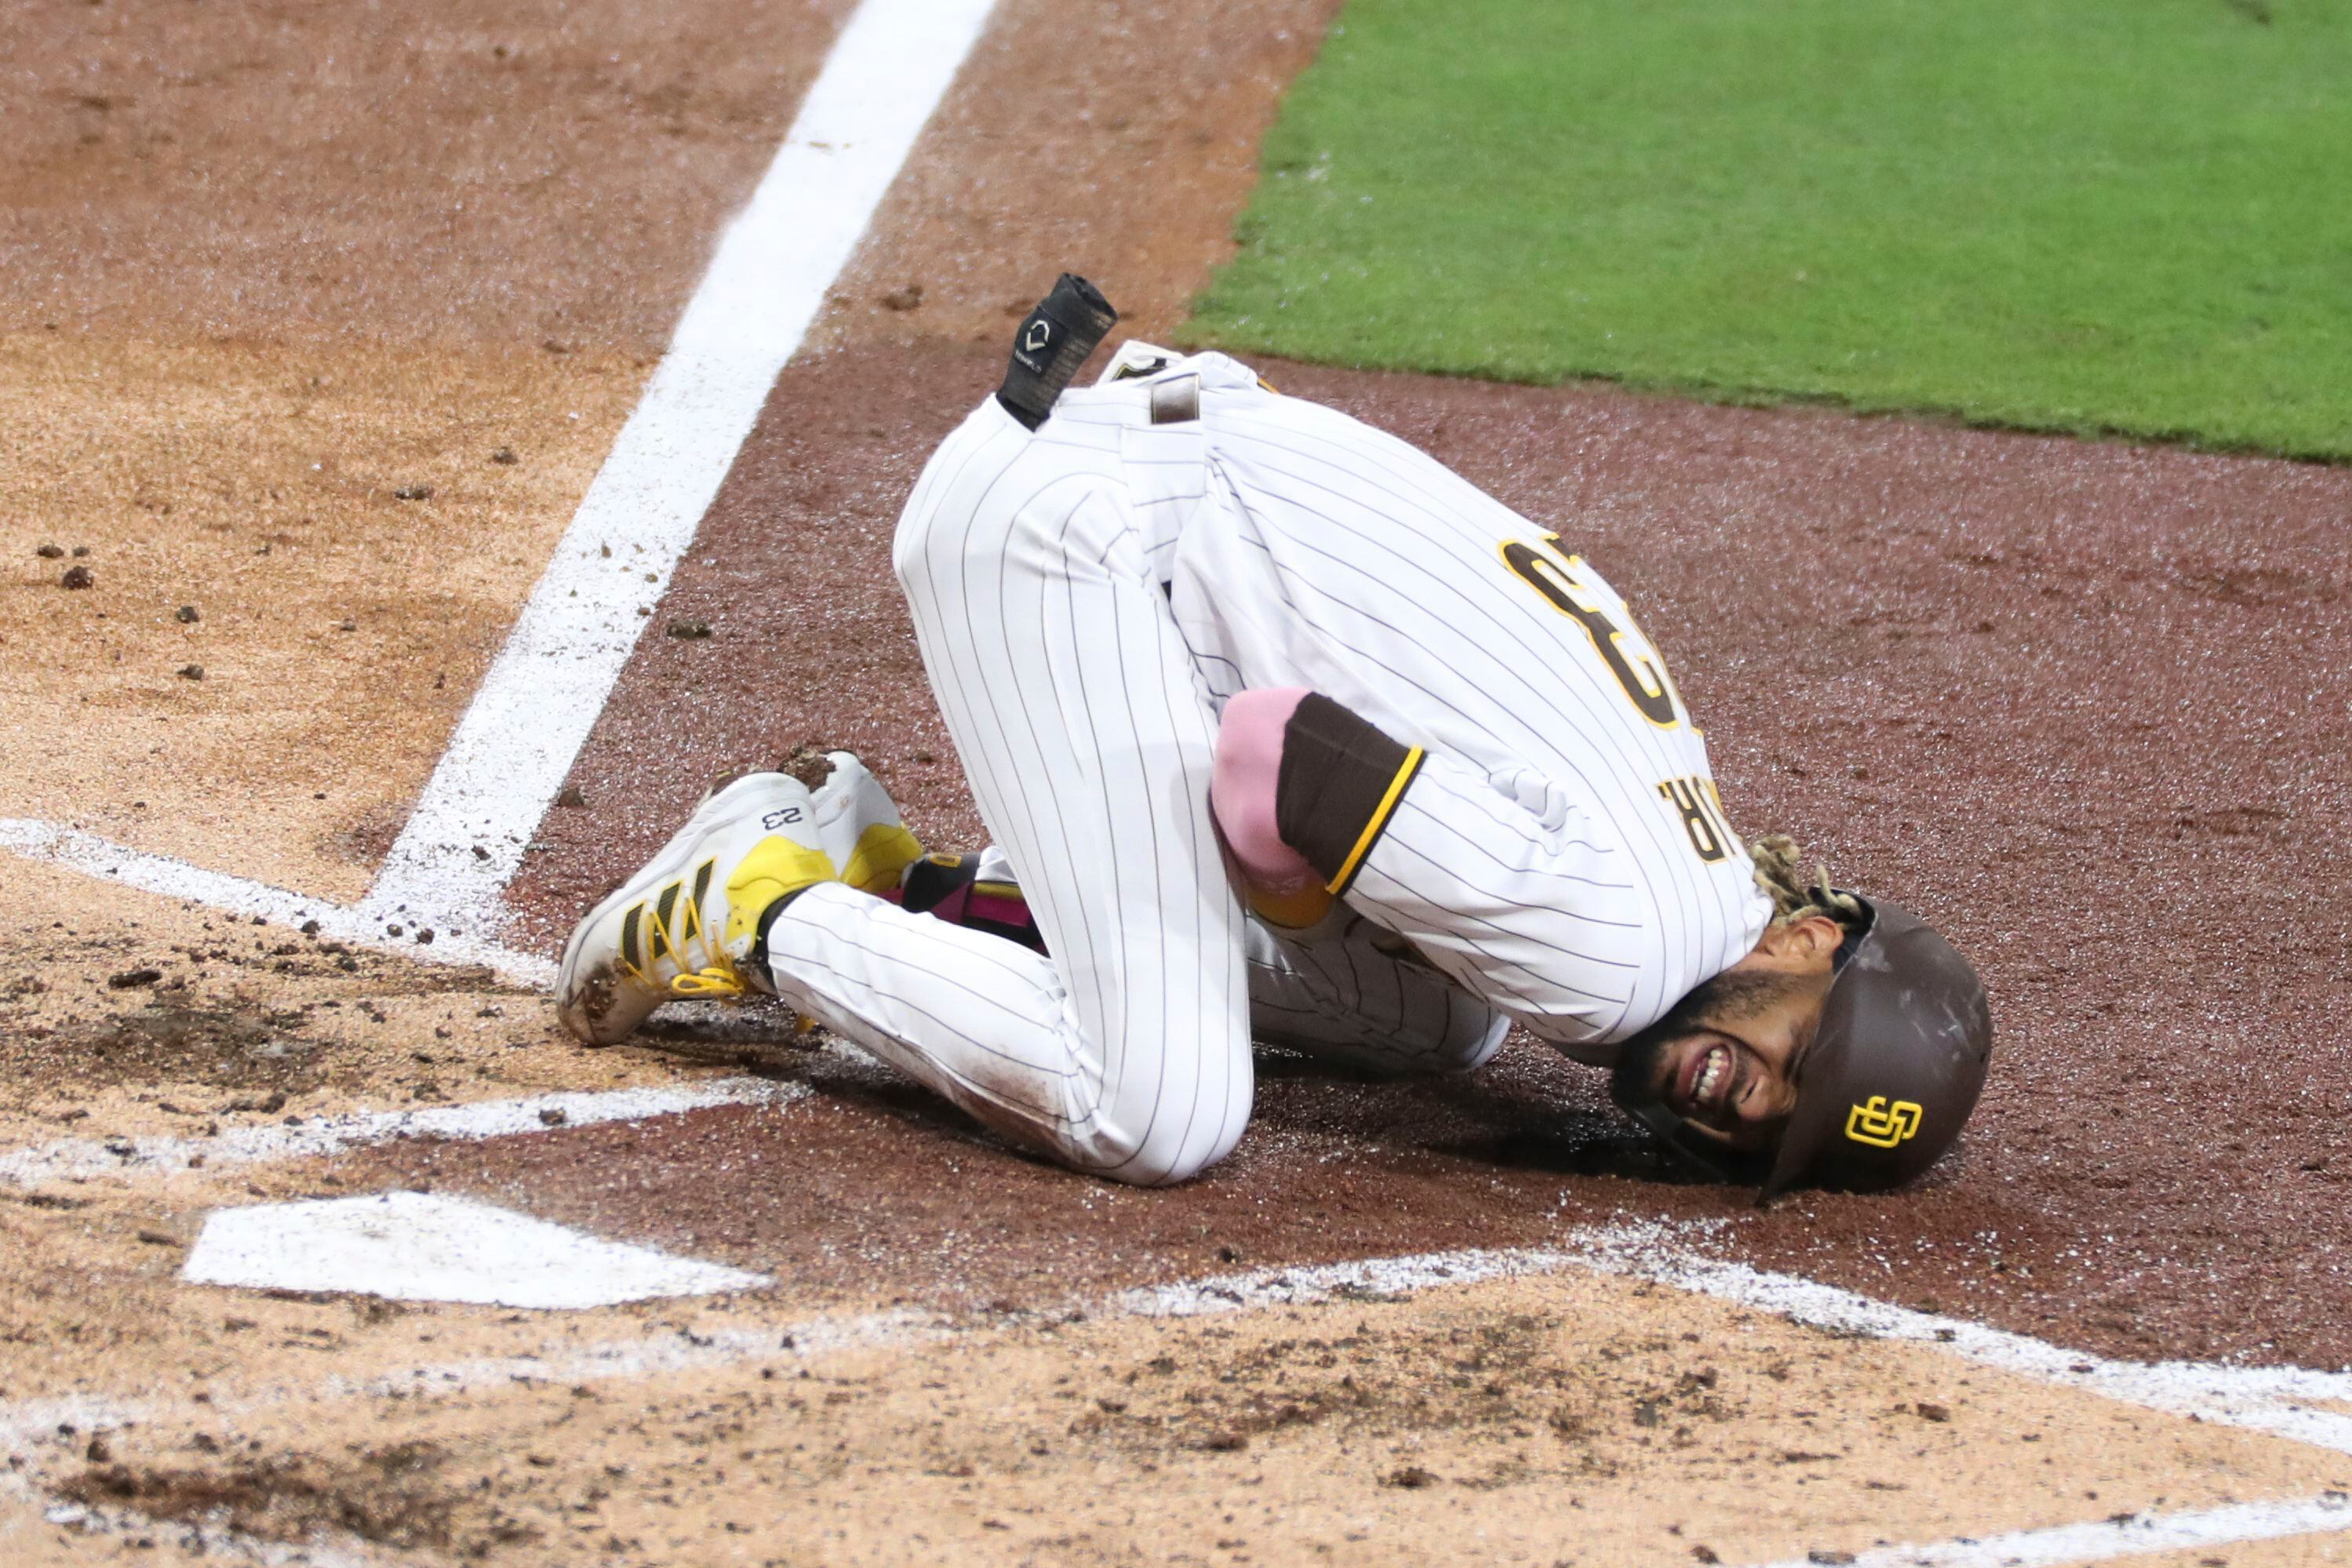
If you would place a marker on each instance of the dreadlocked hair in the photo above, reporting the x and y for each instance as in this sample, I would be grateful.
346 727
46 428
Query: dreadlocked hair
1780 873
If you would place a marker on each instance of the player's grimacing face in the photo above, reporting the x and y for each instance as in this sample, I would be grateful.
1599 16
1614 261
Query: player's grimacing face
1727 1057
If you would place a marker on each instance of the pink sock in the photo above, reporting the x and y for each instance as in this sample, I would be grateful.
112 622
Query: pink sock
1242 787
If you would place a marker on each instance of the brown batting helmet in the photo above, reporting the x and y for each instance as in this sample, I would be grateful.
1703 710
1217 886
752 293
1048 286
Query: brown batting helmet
1898 1062
1896 1066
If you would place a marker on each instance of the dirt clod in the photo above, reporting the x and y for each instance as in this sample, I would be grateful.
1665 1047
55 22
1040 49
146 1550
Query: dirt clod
505 456
50 552
1928 1412
191 672
188 615
78 577
128 978
809 763
688 629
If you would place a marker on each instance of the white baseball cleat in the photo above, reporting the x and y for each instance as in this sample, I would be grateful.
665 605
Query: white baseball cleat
858 825
683 926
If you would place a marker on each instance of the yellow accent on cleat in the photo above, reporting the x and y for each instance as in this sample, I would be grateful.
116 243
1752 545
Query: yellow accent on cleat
883 851
775 867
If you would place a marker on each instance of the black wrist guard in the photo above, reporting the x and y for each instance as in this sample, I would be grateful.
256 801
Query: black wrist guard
1054 341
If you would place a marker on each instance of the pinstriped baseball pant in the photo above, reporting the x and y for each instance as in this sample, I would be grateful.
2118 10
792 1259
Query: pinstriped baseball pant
1087 738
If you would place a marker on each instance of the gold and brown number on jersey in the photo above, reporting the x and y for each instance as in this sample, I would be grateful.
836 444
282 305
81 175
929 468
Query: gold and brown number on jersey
1692 796
1569 586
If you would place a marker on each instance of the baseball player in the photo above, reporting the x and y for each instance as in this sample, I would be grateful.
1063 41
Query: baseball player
1283 730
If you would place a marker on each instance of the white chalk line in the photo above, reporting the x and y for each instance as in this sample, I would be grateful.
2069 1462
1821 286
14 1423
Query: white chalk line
71 1158
2277 1400
2246 1397
333 1550
354 926
2105 1541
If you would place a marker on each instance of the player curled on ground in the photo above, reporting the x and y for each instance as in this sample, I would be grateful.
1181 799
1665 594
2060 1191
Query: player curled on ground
1286 731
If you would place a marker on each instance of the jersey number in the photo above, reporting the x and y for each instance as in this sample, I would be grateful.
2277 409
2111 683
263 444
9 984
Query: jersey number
1631 656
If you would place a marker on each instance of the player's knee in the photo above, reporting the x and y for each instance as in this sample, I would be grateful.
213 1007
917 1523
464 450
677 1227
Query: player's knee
1166 1150
1187 1164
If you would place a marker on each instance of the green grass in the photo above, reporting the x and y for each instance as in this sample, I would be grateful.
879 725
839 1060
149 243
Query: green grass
2127 216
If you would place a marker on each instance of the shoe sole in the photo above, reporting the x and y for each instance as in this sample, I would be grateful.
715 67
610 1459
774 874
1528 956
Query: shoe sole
672 860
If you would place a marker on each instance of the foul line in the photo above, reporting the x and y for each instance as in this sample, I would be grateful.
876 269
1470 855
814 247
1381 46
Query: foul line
2277 1400
70 1158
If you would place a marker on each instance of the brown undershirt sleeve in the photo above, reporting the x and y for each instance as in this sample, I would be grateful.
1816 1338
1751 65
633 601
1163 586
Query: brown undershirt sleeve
1340 782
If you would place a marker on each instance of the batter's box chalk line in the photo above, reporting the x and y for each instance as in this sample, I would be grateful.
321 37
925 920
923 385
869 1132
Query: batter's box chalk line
464 841
73 1159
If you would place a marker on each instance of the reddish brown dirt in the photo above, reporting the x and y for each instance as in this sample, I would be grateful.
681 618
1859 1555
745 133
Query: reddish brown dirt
1333 1171
2085 705
1114 140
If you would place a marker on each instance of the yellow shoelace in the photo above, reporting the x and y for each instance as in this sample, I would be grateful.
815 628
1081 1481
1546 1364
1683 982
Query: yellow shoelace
722 979
719 977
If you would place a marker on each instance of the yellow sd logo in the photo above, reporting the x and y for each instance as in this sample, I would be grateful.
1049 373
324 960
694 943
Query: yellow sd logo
1882 1126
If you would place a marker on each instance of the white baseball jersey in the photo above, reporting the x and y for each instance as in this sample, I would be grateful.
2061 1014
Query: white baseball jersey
1088 595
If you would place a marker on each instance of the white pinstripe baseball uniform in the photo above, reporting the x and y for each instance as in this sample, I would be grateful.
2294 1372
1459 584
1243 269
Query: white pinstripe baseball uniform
1086 596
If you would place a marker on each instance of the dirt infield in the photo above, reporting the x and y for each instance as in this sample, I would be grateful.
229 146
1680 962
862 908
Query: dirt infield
2085 705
